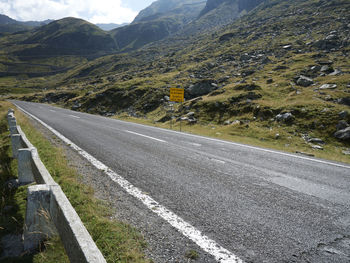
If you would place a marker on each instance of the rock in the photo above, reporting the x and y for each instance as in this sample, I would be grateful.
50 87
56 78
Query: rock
192 121
316 140
336 72
329 86
285 117
269 81
346 152
327 69
304 81
342 125
344 101
343 134
227 122
343 114
316 147
315 69
331 37
166 98
247 72
287 47
245 57
277 136
201 88
190 114
325 62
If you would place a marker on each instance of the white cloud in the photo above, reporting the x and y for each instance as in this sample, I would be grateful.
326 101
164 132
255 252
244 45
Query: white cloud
95 11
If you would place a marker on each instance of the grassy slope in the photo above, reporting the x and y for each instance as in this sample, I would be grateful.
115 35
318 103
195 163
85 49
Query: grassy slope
117 241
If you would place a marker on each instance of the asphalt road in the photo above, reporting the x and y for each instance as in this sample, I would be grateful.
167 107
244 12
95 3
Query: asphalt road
259 204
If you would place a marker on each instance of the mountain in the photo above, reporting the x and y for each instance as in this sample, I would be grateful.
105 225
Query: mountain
10 25
218 13
68 36
162 19
164 6
110 26
5 20
242 5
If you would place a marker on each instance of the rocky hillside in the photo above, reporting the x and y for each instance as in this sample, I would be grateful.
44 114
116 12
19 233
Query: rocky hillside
280 74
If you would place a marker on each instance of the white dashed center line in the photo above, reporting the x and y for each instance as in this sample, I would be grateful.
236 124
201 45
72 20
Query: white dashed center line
74 116
149 137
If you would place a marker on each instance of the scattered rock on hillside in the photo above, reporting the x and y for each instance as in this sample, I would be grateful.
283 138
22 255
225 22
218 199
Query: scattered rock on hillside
330 42
344 101
327 69
343 134
336 72
304 81
285 117
343 114
316 140
201 88
316 147
342 125
328 86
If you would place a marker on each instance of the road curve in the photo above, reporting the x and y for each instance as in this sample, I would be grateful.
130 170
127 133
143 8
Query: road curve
258 204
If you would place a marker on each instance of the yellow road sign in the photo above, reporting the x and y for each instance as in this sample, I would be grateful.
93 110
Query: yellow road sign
177 95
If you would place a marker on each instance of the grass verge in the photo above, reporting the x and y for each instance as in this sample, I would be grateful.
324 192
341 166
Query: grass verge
117 241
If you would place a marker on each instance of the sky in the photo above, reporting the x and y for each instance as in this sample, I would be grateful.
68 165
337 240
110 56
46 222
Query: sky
94 11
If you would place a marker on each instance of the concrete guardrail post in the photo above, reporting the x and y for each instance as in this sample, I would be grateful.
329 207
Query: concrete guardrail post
12 125
76 239
38 223
16 144
25 172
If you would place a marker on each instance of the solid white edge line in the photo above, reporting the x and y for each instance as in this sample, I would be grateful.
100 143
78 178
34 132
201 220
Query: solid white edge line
208 245
149 137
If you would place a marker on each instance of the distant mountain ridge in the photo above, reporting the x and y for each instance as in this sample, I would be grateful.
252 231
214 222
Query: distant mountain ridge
68 36
164 6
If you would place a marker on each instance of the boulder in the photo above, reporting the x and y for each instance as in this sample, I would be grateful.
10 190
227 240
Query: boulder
201 88
304 81
342 125
343 134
